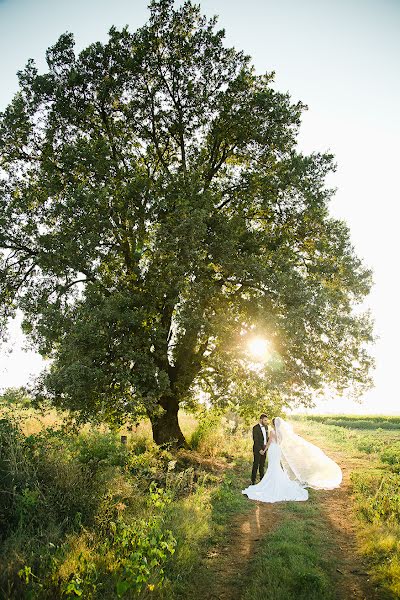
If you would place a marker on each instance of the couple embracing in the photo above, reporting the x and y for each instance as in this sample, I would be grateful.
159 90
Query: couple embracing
303 464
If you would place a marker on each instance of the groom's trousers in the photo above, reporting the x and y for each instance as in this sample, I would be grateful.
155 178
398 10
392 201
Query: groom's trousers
258 465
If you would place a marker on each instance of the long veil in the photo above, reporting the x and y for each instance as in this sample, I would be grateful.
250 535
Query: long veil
304 461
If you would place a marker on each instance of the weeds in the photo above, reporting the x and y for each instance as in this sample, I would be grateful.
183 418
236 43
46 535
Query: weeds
84 516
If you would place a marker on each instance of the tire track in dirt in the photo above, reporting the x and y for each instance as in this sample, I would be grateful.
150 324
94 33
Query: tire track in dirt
352 579
229 562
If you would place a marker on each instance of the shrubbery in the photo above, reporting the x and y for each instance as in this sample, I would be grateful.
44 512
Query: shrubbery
16 397
208 437
86 516
217 435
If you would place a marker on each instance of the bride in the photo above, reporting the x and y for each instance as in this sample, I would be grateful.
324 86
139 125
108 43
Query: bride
305 465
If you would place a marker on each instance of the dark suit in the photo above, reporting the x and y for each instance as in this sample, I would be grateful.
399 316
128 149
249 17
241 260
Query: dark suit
259 459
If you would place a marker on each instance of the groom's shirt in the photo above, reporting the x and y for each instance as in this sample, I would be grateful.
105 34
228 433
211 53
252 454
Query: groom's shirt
264 434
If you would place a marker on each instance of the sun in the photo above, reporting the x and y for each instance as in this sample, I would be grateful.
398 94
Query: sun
258 348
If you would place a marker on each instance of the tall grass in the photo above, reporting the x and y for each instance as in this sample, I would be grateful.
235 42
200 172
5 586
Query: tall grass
216 435
377 502
83 515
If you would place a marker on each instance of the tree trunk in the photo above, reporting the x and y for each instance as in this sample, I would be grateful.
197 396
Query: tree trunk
166 429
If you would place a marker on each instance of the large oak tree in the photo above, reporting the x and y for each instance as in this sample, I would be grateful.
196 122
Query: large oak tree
155 212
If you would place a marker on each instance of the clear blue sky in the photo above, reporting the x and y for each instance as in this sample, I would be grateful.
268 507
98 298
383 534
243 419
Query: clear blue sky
341 58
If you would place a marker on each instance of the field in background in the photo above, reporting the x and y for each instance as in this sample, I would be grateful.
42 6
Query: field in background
352 421
33 421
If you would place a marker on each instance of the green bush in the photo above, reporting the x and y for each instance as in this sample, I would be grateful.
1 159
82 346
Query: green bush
85 516
97 449
16 397
377 495
141 550
208 435
140 444
370 444
391 454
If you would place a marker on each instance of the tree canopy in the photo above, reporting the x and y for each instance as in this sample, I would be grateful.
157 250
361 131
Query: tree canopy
155 213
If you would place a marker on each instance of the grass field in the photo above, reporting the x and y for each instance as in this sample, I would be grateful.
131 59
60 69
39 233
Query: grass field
84 516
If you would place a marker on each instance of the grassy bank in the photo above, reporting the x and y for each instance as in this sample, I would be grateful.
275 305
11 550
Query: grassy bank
84 516
372 443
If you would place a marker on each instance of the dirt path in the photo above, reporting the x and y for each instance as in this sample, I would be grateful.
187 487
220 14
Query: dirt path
352 579
230 562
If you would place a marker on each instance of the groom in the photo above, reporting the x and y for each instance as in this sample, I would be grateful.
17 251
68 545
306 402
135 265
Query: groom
260 438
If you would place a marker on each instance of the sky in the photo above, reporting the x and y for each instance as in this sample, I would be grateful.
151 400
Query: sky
341 58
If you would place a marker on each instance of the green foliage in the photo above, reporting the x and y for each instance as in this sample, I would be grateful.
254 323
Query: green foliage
378 507
370 444
139 553
141 550
391 455
41 481
101 449
156 212
14 475
15 397
217 435
140 444
208 435
378 495
84 516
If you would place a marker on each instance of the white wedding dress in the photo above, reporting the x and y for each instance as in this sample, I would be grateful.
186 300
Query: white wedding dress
276 486
306 464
